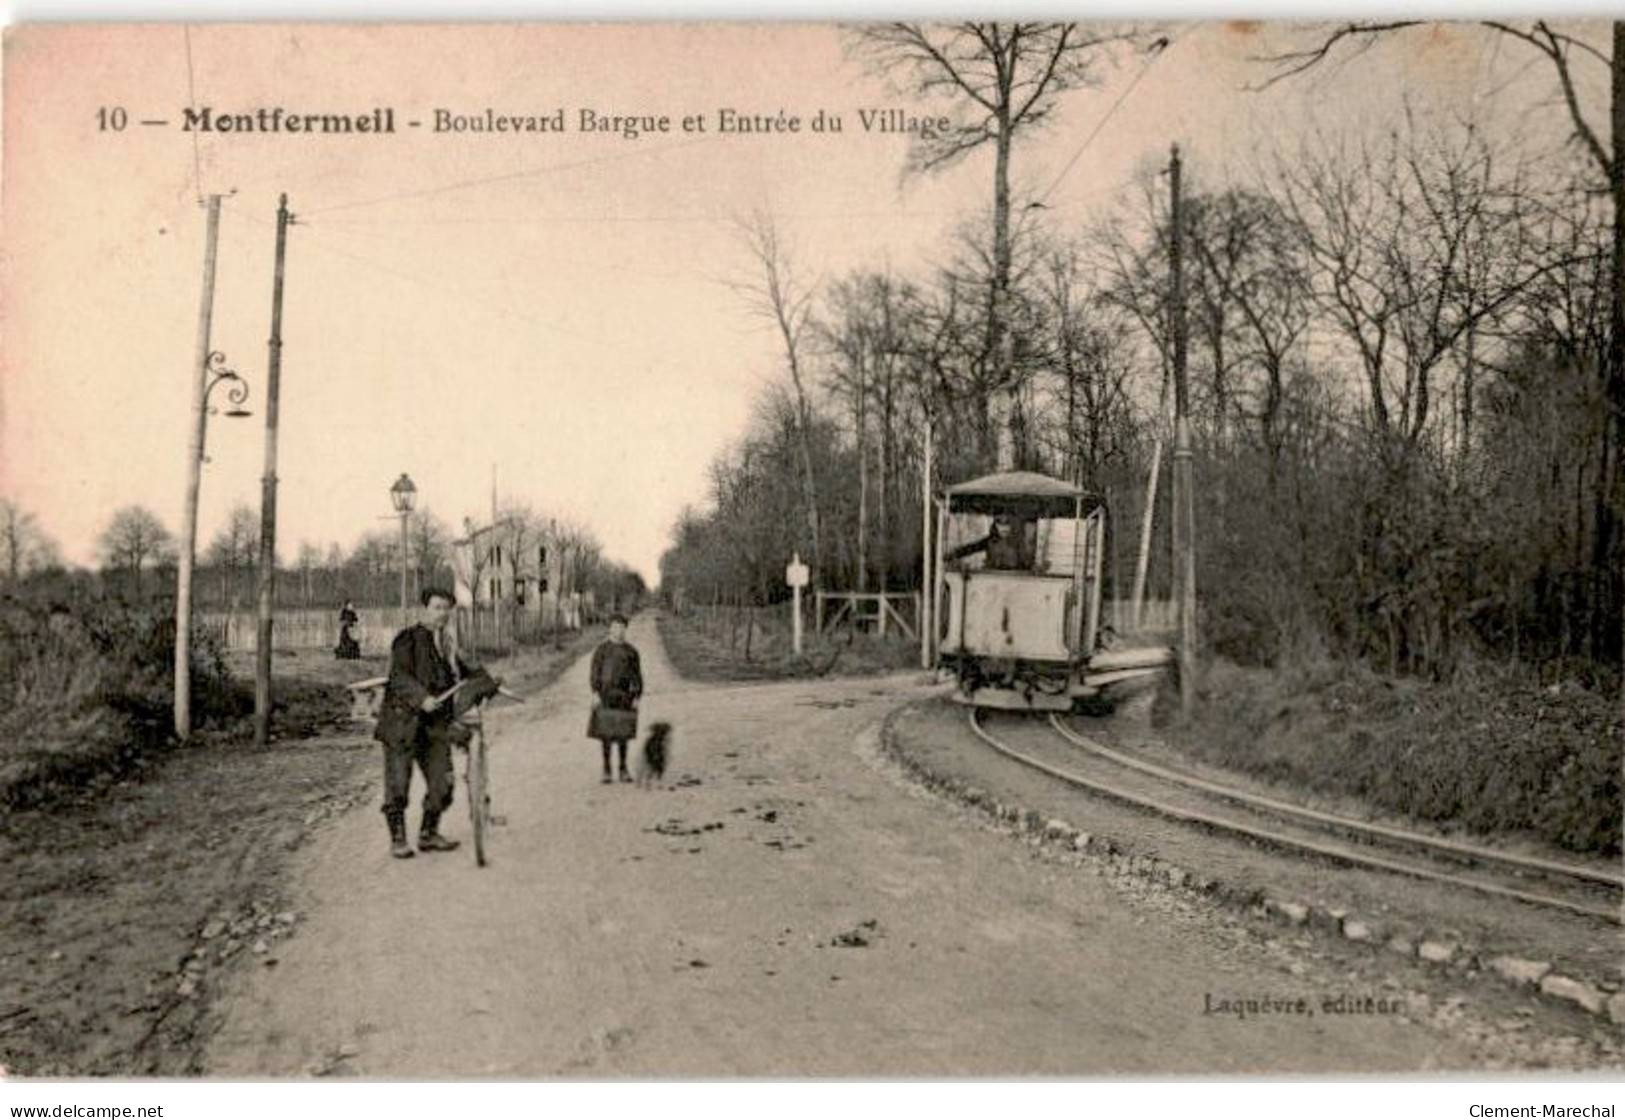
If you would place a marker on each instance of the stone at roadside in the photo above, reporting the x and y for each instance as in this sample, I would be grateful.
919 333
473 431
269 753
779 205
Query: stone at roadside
1517 970
1328 918
1294 912
1436 952
1573 991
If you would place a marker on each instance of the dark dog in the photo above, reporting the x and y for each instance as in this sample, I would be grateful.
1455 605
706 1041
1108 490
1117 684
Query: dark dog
656 755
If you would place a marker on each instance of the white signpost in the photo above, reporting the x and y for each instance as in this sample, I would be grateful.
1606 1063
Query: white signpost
795 574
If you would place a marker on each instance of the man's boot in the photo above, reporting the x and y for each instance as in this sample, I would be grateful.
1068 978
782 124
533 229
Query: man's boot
429 838
398 847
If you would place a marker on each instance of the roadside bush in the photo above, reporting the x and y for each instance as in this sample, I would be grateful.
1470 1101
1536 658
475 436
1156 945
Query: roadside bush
89 692
1492 753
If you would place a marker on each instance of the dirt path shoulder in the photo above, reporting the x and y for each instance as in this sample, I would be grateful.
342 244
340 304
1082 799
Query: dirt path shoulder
124 907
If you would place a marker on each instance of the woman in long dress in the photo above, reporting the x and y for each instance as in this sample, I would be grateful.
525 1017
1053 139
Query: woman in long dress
348 648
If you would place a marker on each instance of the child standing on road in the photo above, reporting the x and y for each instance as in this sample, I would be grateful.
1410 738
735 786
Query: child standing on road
617 682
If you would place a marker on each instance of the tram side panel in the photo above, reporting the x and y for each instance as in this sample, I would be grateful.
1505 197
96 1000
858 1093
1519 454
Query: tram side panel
1007 615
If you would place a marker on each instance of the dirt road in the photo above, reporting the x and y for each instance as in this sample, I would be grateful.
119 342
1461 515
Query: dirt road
788 908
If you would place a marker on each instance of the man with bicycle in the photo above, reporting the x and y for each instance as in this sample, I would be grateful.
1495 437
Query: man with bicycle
416 725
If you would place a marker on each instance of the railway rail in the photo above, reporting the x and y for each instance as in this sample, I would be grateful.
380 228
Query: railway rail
1189 799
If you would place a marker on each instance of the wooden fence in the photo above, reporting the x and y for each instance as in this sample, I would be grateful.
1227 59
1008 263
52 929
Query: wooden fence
303 629
868 610
1155 614
479 628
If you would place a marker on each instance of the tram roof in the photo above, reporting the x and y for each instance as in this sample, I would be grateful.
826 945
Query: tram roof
1025 493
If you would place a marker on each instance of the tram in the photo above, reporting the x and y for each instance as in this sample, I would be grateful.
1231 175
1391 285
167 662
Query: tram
1018 559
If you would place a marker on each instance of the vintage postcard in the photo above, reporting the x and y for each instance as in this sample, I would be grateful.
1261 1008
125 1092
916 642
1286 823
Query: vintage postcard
733 550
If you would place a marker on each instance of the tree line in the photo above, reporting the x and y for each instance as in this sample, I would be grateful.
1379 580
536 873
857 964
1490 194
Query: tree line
1403 363
136 554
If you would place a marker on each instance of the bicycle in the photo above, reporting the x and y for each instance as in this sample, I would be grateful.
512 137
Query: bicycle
475 777
469 713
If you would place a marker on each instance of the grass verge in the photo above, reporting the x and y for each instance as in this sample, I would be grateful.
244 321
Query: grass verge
1495 754
126 897
744 649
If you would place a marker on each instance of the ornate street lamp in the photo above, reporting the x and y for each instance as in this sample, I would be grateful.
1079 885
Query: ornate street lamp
213 373
403 496
237 395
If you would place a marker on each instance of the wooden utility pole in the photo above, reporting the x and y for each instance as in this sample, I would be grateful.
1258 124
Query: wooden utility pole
928 590
1184 506
1137 606
1616 314
194 472
273 377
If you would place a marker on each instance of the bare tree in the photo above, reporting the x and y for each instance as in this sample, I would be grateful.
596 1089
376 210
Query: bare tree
24 547
1129 250
1090 362
778 295
1002 80
1570 56
847 338
1389 229
1246 248
133 537
375 562
307 560
428 540
235 549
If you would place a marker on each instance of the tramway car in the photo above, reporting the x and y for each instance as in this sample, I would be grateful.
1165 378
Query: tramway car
1018 573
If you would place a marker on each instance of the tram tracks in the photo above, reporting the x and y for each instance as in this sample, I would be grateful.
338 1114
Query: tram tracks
1080 762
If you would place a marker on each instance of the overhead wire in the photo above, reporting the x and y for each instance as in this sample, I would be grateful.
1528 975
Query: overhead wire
510 176
1159 49
653 219
371 234
439 288
691 218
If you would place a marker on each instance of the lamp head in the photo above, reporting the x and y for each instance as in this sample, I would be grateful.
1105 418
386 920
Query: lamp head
403 495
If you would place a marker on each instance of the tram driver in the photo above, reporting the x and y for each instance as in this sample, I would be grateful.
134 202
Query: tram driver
1006 545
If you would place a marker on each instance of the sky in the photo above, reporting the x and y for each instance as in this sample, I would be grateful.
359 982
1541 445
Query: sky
551 309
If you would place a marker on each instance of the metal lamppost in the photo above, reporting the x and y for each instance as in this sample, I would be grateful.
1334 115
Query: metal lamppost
403 495
212 374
